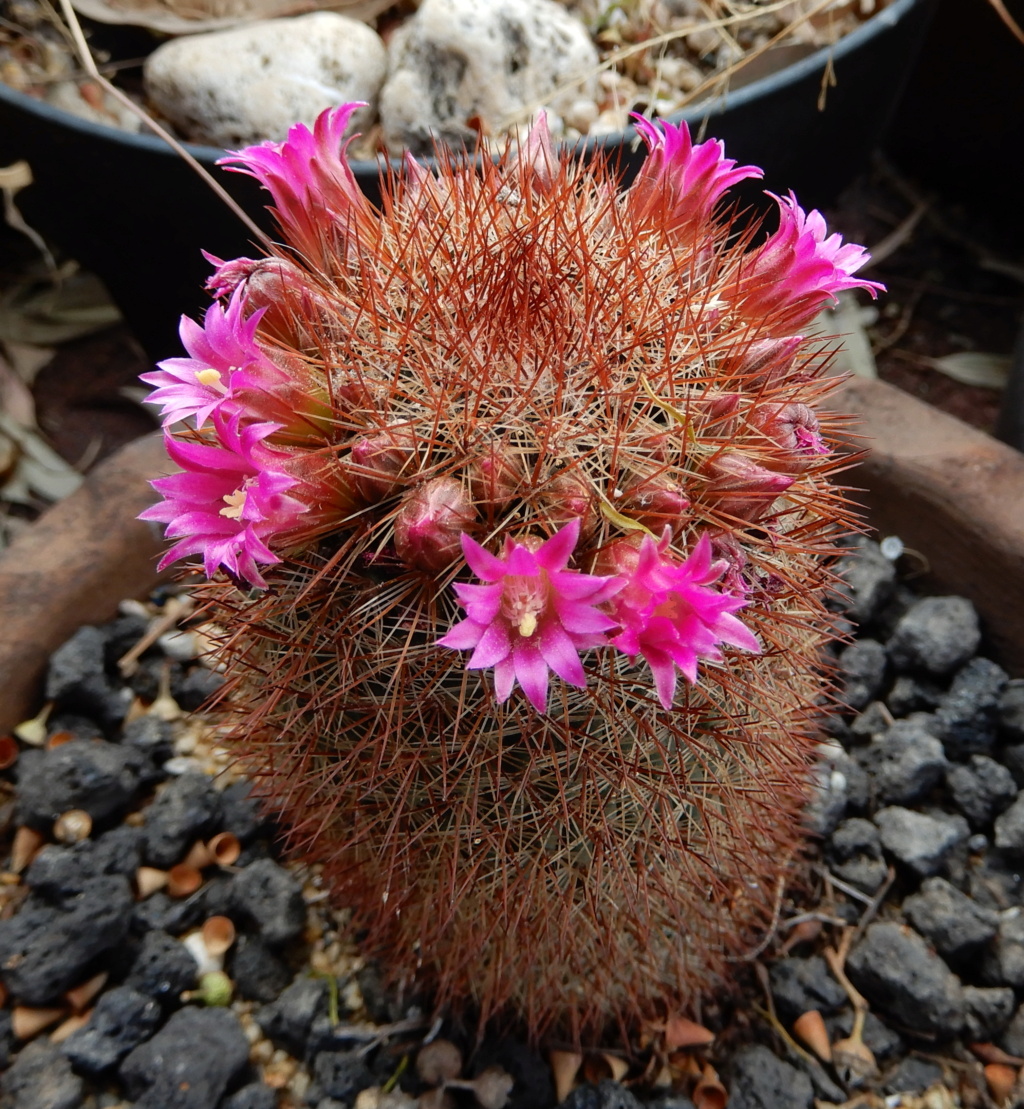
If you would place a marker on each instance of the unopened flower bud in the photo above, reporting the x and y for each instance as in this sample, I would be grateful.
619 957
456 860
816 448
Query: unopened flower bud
494 478
794 428
656 503
430 523
725 548
294 309
536 152
764 360
739 487
378 463
570 497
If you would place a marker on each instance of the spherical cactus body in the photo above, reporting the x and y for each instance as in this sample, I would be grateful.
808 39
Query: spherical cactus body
514 497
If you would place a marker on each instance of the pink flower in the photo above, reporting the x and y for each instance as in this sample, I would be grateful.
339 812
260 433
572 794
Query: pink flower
685 180
532 615
801 267
670 614
308 177
228 372
229 502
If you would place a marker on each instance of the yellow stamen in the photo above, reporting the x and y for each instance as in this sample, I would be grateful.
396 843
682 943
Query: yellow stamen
528 624
235 503
208 377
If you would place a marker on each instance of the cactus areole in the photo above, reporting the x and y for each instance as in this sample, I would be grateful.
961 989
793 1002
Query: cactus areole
514 500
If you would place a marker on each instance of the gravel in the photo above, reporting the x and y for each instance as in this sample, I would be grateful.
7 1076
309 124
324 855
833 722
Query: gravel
921 774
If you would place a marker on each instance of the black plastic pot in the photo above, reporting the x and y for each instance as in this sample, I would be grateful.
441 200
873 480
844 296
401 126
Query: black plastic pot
131 211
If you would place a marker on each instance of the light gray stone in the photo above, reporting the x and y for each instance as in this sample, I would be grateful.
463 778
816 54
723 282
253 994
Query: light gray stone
953 922
456 60
935 635
251 83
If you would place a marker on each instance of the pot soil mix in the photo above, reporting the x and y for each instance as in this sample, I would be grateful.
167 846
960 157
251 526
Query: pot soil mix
157 950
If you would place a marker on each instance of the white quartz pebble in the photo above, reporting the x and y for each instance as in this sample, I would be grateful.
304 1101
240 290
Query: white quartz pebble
251 83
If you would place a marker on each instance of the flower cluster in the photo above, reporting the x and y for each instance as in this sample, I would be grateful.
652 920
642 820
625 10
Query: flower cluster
534 614
260 413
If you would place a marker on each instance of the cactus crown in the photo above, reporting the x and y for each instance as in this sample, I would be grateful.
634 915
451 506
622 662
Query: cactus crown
572 431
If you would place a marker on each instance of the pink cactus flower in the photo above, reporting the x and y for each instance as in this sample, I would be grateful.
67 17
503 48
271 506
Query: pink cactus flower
532 615
224 356
308 177
690 180
228 372
671 615
801 268
537 152
228 502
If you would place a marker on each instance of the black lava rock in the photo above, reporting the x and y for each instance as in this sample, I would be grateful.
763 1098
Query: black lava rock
287 1020
802 984
1012 1040
954 923
761 1080
189 1063
240 811
270 897
186 809
900 975
41 1078
910 694
101 778
862 668
923 843
967 716
60 873
150 735
935 636
905 761
259 973
871 723
605 1095
981 790
46 950
988 1012
913 1076
121 1021
253 1096
163 969
1004 965
1009 828
196 687
341 1074
854 854
869 579
1011 712
77 679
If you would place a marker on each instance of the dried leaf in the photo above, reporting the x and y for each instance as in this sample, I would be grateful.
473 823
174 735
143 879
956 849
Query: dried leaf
16 400
975 367
846 325
40 471
50 312
187 17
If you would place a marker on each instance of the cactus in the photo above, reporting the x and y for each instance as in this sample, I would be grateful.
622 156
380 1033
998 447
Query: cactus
517 516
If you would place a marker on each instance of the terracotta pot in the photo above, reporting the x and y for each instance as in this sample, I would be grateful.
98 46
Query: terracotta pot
948 490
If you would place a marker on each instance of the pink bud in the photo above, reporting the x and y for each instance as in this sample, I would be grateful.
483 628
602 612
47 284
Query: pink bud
656 503
536 152
494 478
378 463
763 361
725 548
570 497
620 557
294 309
430 523
794 428
740 487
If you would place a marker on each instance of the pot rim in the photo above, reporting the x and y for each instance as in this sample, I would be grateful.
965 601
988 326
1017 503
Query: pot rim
708 109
